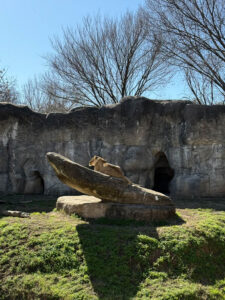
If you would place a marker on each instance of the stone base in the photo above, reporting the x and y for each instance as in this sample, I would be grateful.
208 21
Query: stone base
89 207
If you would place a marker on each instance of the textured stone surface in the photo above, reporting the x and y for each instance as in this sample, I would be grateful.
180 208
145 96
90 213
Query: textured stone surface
93 208
130 134
103 186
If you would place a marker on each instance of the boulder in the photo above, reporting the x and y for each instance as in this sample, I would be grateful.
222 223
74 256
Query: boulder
89 207
107 188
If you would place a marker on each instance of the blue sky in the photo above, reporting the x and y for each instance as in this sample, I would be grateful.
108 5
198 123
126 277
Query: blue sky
26 27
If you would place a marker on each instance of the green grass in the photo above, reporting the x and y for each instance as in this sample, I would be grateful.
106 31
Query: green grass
54 256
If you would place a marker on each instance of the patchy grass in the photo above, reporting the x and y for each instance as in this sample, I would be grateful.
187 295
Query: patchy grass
54 256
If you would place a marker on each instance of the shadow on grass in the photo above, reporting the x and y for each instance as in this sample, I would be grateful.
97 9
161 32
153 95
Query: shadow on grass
175 220
118 258
115 260
202 203
28 203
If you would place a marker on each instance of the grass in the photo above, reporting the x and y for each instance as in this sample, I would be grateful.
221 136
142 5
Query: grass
55 256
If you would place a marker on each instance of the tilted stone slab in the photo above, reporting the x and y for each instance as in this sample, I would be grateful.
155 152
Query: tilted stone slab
89 207
102 186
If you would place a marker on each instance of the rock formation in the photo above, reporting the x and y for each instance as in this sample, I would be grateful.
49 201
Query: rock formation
174 147
90 207
101 185
132 198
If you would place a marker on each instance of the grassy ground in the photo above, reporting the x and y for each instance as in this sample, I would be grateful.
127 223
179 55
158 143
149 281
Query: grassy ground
54 256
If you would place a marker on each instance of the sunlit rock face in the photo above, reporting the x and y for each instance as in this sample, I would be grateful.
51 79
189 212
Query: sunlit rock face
173 147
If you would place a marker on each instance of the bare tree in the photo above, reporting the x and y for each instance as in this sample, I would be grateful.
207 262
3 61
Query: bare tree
8 91
203 89
35 96
194 31
106 59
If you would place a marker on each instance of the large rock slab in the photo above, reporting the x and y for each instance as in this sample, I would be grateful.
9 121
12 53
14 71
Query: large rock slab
107 188
89 207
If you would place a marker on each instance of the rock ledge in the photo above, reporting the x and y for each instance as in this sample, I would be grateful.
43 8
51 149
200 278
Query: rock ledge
90 207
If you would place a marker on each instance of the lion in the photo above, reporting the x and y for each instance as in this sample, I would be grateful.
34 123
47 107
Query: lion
101 165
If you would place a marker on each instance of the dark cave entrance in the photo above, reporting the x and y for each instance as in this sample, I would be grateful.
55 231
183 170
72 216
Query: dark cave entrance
34 183
163 174
40 183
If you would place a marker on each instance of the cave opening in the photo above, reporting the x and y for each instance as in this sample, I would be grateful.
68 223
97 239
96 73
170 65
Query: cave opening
34 183
40 185
163 174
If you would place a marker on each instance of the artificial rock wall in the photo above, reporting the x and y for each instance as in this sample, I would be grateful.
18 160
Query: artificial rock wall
157 143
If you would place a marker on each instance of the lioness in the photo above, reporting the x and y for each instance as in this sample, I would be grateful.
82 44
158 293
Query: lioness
101 165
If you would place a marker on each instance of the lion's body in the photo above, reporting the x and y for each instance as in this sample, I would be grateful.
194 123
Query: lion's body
101 165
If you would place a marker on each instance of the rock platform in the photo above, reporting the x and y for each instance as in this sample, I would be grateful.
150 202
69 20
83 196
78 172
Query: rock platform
90 207
102 186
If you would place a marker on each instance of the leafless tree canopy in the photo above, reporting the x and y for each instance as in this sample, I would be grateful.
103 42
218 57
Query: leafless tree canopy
104 60
194 31
37 99
7 88
204 90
